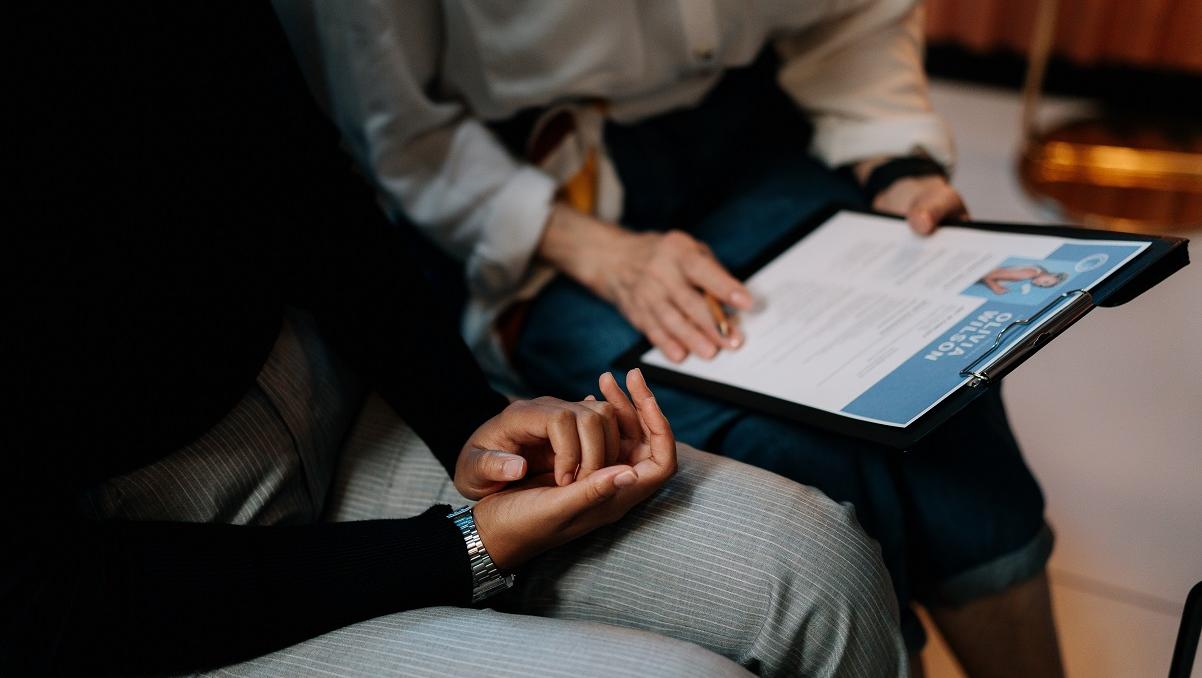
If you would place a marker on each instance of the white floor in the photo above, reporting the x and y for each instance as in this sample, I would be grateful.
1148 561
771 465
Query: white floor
1110 418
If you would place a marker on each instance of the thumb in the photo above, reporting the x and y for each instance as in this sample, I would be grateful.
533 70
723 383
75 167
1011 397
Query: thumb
599 487
932 207
921 220
488 470
499 466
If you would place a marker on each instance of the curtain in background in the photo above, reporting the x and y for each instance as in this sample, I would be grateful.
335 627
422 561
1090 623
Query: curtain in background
1163 34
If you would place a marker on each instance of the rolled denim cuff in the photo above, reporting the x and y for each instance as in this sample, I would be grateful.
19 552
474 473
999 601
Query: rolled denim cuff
996 575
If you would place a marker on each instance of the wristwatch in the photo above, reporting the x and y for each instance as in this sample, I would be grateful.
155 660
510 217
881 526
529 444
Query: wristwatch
487 580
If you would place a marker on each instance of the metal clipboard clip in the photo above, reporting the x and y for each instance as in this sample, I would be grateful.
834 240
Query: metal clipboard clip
988 367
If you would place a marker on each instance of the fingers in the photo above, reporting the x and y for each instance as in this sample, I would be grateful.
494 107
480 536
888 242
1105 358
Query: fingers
597 425
694 307
934 206
683 329
704 271
526 520
925 201
500 466
564 437
646 322
677 319
488 472
596 489
540 512
654 424
642 420
584 437
613 435
628 419
559 511
668 304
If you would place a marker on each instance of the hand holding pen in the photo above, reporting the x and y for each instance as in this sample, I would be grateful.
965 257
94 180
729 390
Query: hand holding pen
658 281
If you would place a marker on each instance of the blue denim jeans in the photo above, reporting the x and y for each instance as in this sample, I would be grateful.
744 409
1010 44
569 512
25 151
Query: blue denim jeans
960 519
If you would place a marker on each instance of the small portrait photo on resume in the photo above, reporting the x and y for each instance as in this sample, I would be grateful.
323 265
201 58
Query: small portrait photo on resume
1023 281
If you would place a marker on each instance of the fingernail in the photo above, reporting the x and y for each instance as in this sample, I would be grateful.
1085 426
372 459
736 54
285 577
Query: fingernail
740 298
736 342
512 469
590 397
565 479
625 479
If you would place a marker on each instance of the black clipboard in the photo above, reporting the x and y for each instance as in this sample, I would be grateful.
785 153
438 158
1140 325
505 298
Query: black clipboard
1164 256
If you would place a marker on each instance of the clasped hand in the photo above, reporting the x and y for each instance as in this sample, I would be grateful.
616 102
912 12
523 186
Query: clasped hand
547 471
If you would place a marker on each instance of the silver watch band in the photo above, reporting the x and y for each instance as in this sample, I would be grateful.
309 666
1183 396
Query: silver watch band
487 580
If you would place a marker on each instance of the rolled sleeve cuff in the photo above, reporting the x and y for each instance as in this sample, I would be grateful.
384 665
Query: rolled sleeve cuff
500 262
840 142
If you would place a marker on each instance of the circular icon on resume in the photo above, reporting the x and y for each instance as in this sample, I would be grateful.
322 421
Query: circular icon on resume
1091 262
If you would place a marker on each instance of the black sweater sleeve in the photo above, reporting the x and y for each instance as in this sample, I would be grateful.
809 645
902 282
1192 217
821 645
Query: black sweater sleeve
165 119
125 597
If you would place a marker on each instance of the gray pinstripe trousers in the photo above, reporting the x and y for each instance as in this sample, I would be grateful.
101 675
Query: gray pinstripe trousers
728 569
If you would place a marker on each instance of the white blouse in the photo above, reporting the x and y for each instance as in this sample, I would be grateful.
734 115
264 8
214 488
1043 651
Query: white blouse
409 83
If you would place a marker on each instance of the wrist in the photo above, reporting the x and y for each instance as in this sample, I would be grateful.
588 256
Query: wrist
487 579
576 244
877 176
862 169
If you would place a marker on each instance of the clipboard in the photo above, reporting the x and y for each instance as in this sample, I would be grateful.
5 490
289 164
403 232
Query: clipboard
1163 256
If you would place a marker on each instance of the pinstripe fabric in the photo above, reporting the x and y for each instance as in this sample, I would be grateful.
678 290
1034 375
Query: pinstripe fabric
216 478
385 470
268 462
736 559
447 641
728 565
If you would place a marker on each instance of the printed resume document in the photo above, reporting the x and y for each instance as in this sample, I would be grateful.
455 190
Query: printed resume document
868 320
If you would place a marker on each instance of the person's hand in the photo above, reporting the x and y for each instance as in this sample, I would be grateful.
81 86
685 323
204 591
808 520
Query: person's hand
925 201
532 437
529 518
659 280
656 280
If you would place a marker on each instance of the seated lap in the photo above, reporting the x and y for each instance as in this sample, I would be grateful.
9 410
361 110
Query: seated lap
954 508
735 559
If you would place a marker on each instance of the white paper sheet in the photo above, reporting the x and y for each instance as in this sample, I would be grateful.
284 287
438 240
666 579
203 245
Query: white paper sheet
866 319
